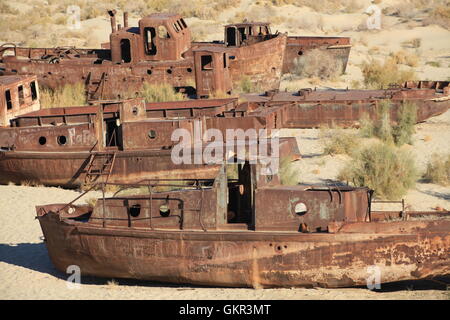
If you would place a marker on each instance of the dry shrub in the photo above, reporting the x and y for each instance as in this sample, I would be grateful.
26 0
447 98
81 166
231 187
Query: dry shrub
413 43
338 141
438 170
384 168
65 96
404 129
379 75
400 134
317 63
160 93
435 64
246 85
288 173
406 58
439 15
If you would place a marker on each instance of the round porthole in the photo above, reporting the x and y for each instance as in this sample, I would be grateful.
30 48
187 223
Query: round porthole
135 111
149 72
135 210
189 70
152 134
300 53
169 71
62 140
42 140
300 208
164 210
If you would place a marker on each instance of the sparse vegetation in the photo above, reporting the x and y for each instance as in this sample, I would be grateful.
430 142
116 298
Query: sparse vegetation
379 75
405 57
288 173
65 96
438 170
160 93
400 134
384 168
246 85
435 64
338 141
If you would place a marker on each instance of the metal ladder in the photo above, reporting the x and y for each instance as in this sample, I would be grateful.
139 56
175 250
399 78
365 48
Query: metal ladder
100 164
94 87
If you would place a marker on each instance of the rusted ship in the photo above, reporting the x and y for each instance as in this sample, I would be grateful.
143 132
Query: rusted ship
116 141
245 232
160 50
122 140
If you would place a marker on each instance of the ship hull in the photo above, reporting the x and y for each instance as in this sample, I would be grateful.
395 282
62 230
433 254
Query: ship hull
402 251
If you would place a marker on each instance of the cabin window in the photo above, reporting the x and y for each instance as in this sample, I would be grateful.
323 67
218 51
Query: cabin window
149 38
207 62
8 100
163 33
164 210
21 96
135 210
62 140
152 134
224 60
176 27
243 34
33 90
183 23
125 49
179 24
300 208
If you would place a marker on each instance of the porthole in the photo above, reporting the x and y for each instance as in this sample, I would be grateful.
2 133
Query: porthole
152 134
135 111
62 140
42 141
135 210
300 208
149 72
300 53
169 71
189 70
164 210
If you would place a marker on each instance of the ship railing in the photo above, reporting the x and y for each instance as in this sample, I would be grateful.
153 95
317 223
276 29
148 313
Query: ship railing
198 184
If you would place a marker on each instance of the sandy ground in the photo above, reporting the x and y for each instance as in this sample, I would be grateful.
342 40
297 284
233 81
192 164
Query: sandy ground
27 273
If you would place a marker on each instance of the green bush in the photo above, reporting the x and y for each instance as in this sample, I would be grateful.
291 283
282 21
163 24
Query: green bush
407 118
379 75
389 171
438 170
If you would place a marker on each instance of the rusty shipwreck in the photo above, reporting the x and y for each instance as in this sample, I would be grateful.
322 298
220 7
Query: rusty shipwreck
159 50
123 140
246 231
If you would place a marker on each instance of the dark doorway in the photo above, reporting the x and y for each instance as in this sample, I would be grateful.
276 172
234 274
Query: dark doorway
112 133
231 37
125 49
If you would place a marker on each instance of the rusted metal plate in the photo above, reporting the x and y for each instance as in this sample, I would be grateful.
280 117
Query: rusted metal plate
19 95
191 239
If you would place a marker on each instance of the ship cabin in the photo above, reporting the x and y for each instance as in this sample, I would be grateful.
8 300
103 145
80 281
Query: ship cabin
19 95
243 196
243 34
159 37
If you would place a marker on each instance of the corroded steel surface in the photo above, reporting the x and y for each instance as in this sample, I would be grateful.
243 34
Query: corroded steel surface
160 50
310 108
18 95
192 239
